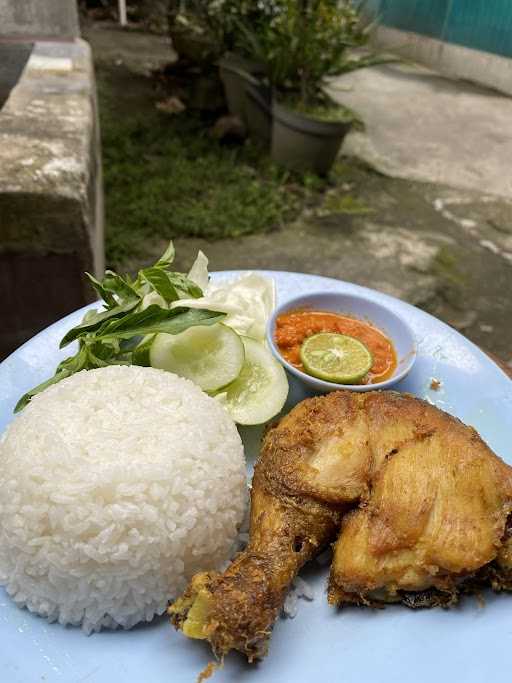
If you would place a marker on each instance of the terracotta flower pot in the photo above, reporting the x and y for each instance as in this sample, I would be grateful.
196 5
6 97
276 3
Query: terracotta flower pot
303 143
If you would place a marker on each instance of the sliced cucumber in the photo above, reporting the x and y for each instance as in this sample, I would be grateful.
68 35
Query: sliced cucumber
210 355
260 390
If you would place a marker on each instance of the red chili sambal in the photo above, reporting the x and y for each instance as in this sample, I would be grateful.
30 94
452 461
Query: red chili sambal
294 327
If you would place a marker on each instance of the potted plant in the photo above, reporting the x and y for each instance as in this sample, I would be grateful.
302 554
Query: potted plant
258 112
206 32
198 47
303 43
239 74
193 37
239 70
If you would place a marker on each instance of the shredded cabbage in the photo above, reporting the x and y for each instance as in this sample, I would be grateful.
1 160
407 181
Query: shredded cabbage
248 300
199 271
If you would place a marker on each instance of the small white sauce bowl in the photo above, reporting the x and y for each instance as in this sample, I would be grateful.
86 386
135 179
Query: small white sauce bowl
361 308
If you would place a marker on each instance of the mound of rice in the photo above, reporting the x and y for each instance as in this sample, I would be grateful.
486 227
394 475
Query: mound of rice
116 485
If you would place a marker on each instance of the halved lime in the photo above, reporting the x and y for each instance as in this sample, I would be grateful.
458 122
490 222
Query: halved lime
335 358
261 389
209 355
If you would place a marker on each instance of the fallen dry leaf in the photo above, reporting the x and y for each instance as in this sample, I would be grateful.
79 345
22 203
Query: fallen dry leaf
172 105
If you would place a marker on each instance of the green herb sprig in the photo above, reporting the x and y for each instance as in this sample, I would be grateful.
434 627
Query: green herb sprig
133 311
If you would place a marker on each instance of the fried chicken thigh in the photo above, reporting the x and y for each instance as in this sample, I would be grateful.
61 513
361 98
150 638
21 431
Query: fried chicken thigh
416 500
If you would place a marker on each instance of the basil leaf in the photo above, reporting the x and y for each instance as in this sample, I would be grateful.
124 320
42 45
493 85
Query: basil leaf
153 313
160 282
103 293
161 321
95 320
186 288
74 363
167 257
102 352
140 354
26 398
123 289
101 361
65 369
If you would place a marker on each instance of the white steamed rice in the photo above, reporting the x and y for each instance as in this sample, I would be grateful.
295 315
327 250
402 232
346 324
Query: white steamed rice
116 485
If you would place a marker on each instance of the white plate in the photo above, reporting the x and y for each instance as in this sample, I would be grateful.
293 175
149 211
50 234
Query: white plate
354 645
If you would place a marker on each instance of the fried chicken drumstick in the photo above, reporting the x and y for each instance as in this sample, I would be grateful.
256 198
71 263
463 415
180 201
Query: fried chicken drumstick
416 500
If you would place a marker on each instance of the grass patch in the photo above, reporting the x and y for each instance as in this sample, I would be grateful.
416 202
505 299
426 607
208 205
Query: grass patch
165 177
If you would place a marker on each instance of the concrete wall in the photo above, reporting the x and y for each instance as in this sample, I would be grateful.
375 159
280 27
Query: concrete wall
39 19
466 39
455 61
51 209
13 58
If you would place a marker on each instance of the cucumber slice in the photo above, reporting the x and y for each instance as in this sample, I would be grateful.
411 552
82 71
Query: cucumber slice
209 355
260 390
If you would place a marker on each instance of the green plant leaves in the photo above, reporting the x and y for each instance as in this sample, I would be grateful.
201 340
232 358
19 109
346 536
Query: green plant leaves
122 333
119 286
102 291
159 280
155 319
185 287
140 354
67 368
93 322
303 43
170 286
167 257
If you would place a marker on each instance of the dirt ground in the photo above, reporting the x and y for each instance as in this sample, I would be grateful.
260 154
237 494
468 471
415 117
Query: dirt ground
446 250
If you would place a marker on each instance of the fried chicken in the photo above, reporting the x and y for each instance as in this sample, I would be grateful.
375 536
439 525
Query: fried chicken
417 501
437 510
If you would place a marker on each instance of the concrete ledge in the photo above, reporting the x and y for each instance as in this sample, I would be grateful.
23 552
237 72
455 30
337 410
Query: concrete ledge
58 18
452 60
51 204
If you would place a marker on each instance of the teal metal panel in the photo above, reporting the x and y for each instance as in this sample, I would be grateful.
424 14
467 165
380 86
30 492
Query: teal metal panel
481 24
370 7
420 16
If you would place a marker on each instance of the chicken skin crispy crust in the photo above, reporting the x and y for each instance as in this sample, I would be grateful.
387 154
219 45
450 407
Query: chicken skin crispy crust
416 500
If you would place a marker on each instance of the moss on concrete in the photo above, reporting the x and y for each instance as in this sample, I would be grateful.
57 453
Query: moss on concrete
445 266
345 204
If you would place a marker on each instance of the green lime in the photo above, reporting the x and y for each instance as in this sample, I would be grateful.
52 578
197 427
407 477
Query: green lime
335 358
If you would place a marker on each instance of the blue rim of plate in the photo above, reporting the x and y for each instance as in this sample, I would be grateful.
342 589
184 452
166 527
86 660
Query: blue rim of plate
435 644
